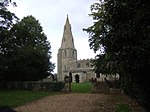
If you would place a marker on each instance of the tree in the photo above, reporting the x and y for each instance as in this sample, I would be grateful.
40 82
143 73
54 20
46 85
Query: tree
29 56
122 27
6 17
7 20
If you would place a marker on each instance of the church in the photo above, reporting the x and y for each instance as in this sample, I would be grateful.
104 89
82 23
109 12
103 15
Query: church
67 62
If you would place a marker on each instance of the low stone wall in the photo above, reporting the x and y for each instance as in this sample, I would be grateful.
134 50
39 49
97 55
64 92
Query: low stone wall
103 87
100 87
115 91
32 85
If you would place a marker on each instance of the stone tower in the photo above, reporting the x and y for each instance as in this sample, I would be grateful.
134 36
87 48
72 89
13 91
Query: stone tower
67 54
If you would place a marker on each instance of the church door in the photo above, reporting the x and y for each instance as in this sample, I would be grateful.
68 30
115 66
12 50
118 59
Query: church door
77 78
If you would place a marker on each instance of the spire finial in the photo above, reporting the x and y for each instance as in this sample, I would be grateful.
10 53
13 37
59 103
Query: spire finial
67 20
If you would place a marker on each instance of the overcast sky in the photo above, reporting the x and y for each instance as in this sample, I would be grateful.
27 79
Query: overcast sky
52 16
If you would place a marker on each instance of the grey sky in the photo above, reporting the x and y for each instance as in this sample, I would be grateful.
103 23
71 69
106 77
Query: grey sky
52 16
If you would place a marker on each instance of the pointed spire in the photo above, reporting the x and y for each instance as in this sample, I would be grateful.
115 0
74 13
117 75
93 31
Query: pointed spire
67 40
67 20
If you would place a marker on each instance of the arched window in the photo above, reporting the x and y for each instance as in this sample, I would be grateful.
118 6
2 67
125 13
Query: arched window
65 53
78 65
73 54
87 64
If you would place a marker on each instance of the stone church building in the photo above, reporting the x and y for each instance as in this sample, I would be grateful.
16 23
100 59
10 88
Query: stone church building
67 61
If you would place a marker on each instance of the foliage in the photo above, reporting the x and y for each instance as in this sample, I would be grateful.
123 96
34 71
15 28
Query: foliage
58 86
15 98
81 87
7 19
122 29
24 49
102 64
29 54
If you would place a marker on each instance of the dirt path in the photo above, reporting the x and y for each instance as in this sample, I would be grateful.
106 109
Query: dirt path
77 102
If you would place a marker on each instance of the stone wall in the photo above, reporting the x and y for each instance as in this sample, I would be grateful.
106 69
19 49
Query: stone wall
100 87
32 85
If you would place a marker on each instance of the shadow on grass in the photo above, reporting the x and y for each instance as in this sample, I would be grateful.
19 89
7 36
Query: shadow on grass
14 98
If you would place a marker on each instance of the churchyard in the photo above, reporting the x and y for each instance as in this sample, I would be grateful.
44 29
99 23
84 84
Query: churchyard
80 99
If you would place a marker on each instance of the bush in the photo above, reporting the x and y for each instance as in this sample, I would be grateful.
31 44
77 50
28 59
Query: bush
58 86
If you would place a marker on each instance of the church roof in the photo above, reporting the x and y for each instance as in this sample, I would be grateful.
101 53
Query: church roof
67 40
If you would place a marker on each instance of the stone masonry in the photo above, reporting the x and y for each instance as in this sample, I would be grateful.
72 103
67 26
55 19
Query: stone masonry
80 70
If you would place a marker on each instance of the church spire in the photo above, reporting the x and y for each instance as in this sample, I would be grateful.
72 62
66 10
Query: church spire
67 20
67 40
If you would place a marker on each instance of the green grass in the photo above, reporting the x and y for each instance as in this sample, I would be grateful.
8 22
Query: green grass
123 108
81 87
15 98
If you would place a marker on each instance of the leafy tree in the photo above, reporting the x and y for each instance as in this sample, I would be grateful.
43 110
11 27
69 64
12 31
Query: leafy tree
30 55
122 28
7 19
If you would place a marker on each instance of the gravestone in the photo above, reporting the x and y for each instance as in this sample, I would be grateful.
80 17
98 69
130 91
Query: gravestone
67 87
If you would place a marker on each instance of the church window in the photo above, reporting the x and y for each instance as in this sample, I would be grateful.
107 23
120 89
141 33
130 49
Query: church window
65 53
87 64
78 65
72 53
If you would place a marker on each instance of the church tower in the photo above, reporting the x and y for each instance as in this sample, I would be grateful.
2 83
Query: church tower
67 54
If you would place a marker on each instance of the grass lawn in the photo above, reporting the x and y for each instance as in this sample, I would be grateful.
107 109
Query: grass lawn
15 98
81 87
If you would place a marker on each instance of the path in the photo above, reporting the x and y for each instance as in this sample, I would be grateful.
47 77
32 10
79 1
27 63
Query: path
73 102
